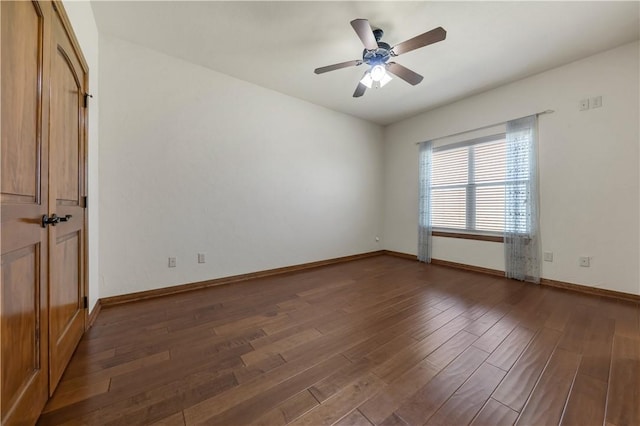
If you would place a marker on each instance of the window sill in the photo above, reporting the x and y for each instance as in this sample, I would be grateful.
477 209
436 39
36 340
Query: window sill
477 237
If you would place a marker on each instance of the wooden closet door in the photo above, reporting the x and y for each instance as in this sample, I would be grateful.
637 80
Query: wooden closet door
66 190
24 198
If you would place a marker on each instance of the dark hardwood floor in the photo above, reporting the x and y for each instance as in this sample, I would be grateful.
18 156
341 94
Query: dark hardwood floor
382 340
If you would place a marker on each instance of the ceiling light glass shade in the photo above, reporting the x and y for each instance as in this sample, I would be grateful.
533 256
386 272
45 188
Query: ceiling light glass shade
378 72
367 80
385 79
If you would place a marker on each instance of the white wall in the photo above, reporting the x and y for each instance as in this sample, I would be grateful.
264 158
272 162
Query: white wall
192 161
589 169
84 26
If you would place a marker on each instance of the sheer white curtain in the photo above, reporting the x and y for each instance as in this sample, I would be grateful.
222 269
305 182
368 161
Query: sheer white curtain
521 235
424 209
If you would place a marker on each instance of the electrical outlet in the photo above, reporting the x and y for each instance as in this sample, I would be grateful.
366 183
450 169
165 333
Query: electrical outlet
585 261
596 102
377 239
584 104
548 256
172 262
200 257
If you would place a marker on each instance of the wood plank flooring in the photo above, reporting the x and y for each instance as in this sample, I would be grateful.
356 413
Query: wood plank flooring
376 341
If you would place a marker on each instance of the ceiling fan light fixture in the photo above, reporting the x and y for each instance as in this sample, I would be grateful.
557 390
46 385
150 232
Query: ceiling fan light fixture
370 81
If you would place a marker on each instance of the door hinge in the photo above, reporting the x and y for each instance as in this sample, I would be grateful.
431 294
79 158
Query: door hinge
86 99
85 302
85 201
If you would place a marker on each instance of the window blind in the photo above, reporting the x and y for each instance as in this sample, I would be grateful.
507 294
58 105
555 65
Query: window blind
468 184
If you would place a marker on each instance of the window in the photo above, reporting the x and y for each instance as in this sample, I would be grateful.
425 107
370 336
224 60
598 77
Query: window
468 186
484 189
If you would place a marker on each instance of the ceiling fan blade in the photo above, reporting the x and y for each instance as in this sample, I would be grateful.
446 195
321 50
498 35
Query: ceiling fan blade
404 73
364 31
359 90
430 37
338 66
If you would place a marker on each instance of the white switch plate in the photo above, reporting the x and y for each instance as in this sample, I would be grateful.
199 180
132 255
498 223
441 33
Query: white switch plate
585 261
200 257
596 102
548 256
172 262
584 104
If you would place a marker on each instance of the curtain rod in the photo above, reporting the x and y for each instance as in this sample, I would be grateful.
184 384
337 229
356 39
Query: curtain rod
548 111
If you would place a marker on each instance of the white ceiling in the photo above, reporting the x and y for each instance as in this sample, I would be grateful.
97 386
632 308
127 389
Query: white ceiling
277 45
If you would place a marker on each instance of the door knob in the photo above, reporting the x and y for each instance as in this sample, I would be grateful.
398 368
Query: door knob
54 219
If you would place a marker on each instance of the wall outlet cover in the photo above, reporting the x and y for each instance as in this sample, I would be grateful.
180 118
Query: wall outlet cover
172 262
584 104
585 261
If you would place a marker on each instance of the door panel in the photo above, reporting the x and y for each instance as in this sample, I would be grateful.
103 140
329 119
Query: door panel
66 313
21 321
66 187
21 57
24 197
64 301
66 93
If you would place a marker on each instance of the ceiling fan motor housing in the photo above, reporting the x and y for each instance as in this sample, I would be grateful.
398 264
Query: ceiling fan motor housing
377 57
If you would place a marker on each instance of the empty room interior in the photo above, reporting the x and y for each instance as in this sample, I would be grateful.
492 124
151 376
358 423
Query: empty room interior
320 213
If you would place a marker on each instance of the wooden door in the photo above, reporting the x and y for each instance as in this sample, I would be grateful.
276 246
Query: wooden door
24 198
42 310
66 200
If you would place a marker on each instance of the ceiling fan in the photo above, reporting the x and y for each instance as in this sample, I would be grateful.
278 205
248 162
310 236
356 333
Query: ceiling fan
377 53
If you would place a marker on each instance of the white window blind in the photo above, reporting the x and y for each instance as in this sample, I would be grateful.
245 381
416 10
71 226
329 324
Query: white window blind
468 186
